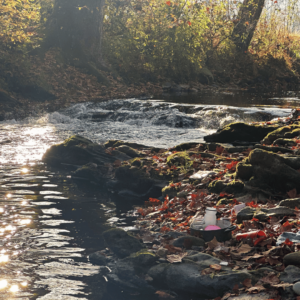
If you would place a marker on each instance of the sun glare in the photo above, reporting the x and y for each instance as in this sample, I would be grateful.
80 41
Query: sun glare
3 284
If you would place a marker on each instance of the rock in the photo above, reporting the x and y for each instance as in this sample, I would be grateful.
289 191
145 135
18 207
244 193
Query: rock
128 150
245 214
285 142
218 186
117 143
77 150
179 159
292 134
273 148
97 258
291 203
292 259
263 214
184 146
296 288
135 179
121 243
162 252
239 132
290 274
186 278
91 172
202 260
188 242
278 133
293 237
270 171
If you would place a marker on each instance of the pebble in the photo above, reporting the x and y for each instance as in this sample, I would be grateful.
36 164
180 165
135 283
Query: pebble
296 288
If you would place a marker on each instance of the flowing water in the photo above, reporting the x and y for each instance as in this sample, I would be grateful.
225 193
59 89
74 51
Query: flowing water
48 225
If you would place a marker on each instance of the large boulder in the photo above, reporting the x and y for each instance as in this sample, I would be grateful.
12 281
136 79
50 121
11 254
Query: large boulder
240 132
78 150
121 243
269 170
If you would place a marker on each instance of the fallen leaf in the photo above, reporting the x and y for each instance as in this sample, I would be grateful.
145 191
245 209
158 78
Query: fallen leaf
176 258
247 283
206 271
172 249
243 249
164 295
270 278
255 289
216 267
213 243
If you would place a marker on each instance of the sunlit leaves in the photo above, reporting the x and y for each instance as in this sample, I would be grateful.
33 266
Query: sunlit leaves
18 21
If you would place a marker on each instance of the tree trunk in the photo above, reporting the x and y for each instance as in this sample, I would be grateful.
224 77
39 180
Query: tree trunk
248 17
76 27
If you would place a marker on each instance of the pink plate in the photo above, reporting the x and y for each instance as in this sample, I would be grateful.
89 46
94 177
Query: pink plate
212 227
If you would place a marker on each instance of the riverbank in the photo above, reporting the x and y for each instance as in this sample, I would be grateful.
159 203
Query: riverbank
46 82
177 185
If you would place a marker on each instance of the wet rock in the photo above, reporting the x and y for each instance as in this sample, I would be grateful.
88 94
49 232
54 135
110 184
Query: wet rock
91 172
188 242
128 150
100 116
97 258
77 150
239 132
162 252
270 171
135 179
292 259
117 143
218 186
292 134
202 260
187 278
121 243
279 133
291 203
290 274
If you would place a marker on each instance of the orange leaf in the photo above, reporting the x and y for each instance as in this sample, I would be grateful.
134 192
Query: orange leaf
189 23
216 267
288 242
168 3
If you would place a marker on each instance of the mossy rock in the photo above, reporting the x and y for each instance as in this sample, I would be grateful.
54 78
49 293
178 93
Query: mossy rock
185 146
240 132
179 159
279 133
117 143
77 150
218 186
121 243
128 150
171 191
285 142
291 203
224 201
244 171
292 134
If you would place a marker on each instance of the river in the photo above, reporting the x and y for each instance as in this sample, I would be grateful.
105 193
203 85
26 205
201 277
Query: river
48 224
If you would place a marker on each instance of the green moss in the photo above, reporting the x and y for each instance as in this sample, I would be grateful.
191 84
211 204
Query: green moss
279 133
171 191
216 186
76 140
224 201
142 252
179 159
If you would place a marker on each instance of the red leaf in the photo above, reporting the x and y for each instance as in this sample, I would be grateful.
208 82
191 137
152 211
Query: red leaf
254 219
288 242
189 23
168 3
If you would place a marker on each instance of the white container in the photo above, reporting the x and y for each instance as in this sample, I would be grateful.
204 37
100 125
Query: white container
210 217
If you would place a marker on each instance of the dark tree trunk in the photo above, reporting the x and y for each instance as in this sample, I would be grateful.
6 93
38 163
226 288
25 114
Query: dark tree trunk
248 17
76 27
